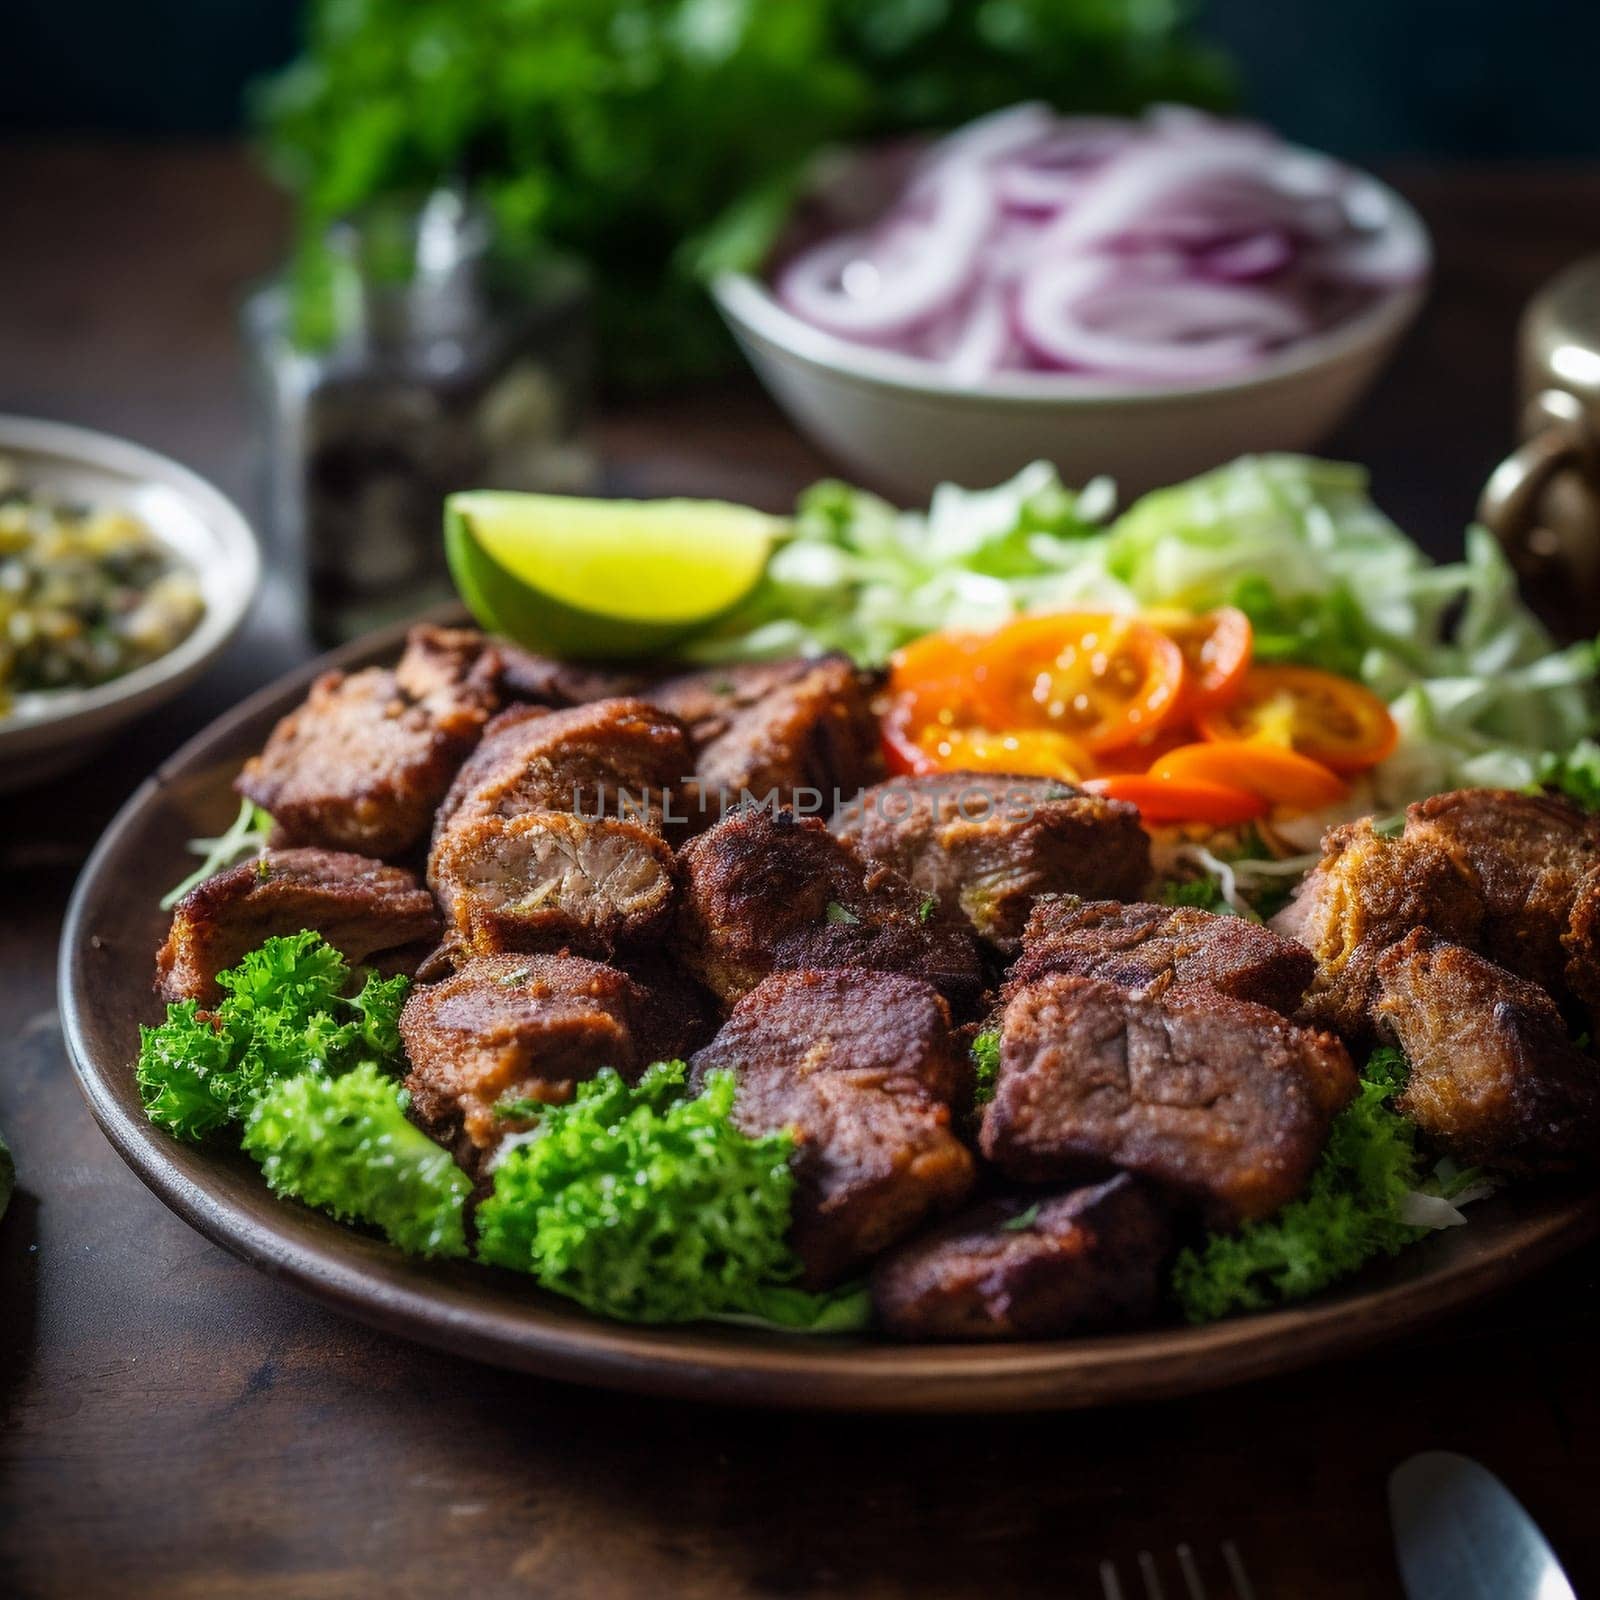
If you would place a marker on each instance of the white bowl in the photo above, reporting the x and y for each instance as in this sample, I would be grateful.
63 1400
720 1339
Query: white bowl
895 422
49 731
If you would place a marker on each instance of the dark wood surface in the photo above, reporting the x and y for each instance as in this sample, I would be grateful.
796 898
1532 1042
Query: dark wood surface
176 1424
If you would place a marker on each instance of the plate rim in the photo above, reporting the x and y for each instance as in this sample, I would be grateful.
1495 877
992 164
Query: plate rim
726 1365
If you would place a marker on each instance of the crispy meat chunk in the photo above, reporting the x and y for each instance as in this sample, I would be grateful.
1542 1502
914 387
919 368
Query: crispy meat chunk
508 1028
1162 949
1494 1077
360 906
1532 856
362 764
1022 1267
1368 891
610 757
986 846
861 1066
777 728
768 891
1226 1102
545 681
548 879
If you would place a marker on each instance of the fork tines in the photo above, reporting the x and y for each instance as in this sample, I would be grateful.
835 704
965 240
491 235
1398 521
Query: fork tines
1193 1584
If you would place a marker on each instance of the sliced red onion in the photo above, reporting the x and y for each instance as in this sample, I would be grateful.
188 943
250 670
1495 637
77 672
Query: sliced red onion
1084 314
1175 249
860 289
1257 255
994 136
984 340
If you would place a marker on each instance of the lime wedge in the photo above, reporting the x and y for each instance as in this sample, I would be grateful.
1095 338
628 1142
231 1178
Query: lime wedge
601 579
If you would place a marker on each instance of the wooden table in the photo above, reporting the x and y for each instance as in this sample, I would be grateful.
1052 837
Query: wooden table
175 1424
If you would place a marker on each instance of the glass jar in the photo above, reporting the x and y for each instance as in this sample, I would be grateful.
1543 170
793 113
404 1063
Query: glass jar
441 368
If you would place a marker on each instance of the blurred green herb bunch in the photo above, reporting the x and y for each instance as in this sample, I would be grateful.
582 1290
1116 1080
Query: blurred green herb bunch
656 139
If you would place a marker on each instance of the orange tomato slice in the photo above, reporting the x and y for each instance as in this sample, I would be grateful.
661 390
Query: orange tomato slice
1103 681
1216 649
1167 800
1278 776
1332 720
1035 753
931 679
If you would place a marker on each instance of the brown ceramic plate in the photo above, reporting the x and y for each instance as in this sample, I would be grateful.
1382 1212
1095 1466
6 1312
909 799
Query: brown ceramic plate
112 929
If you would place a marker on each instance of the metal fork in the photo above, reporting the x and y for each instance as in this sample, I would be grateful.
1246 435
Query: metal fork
1193 1585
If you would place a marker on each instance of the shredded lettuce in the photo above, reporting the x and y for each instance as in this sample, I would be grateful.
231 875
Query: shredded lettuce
284 1009
1480 694
649 1205
343 1144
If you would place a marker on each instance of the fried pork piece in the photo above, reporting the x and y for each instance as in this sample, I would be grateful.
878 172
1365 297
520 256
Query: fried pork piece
1494 1077
768 891
1532 857
1022 1267
610 757
777 728
987 846
548 879
1368 891
360 906
1163 949
362 764
545 681
861 1067
1223 1101
509 1028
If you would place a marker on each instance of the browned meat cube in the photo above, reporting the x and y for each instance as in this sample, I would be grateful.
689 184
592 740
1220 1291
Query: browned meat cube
777 729
1368 891
986 847
360 906
1223 1101
508 1028
1531 856
610 757
548 879
765 892
1023 1267
1162 949
1494 1077
861 1066
362 764
545 681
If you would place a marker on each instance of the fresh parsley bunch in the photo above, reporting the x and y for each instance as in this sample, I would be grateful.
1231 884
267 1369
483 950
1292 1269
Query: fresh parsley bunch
284 1011
1351 1212
650 1205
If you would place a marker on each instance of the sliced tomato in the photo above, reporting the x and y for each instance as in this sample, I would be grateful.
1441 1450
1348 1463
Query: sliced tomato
932 678
1168 800
1145 751
1103 681
1024 753
1331 719
1216 649
1279 776
902 754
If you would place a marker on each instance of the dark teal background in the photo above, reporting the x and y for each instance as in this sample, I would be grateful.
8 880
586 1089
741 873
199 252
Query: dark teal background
1495 78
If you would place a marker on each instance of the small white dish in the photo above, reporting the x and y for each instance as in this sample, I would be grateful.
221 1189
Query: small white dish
902 425
47 732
